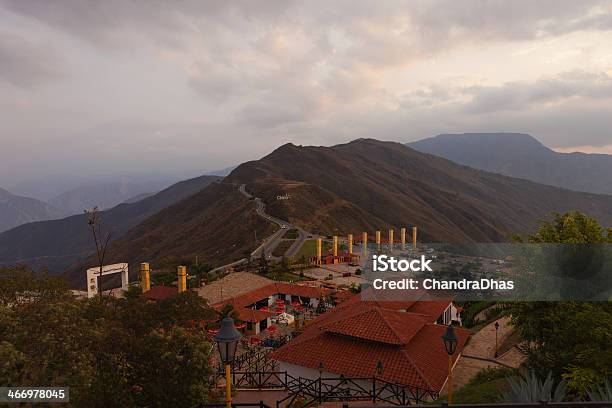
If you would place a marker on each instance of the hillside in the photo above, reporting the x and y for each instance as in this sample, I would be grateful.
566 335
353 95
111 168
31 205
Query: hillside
522 156
217 225
368 183
17 210
60 243
363 185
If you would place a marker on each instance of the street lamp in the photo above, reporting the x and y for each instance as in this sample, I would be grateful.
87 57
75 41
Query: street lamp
450 344
496 329
227 341
321 368
379 368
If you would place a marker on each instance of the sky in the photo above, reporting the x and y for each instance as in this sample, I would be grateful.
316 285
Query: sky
171 87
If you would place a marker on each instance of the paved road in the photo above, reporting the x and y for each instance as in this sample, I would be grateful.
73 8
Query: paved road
272 241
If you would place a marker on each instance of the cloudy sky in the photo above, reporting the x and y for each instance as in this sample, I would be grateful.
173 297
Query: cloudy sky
93 87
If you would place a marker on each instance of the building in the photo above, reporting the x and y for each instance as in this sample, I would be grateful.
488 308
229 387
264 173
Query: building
160 293
352 339
255 308
232 285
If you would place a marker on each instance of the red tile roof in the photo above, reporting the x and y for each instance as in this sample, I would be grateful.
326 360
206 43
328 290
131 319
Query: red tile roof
160 292
242 302
351 339
380 325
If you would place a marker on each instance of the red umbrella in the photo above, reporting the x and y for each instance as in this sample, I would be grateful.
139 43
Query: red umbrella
272 329
278 312
264 309
213 331
280 301
295 303
299 309
280 306
241 325
255 340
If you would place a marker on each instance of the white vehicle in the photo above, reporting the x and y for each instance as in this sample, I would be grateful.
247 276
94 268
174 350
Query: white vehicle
284 226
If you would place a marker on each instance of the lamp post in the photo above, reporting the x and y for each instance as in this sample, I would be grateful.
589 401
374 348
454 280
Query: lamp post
450 344
379 370
496 329
321 368
227 341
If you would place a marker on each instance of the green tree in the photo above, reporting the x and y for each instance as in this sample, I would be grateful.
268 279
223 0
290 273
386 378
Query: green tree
568 338
115 353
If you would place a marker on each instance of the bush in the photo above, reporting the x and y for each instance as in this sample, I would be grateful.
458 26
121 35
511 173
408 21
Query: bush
484 387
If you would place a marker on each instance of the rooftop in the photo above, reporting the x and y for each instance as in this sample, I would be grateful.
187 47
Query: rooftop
160 292
351 339
231 286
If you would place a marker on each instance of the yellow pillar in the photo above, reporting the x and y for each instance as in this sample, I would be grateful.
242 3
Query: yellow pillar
364 242
391 239
350 244
145 277
450 379
228 386
378 240
335 248
414 238
403 237
182 279
319 250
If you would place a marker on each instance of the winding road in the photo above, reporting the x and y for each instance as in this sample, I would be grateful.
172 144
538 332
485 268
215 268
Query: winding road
270 243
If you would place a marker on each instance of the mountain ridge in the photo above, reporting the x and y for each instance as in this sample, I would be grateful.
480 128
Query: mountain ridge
16 210
58 244
522 156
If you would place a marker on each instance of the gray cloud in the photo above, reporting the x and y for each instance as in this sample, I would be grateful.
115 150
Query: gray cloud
26 64
523 95
205 84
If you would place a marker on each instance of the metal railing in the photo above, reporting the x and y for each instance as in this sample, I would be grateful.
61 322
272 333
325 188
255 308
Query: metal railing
579 404
259 404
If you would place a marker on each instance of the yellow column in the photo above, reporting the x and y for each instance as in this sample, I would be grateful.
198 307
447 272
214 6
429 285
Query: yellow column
414 238
378 240
145 277
391 239
335 248
350 244
319 250
182 279
228 386
403 237
364 243
450 379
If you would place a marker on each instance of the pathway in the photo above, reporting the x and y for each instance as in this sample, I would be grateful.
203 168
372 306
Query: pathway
482 345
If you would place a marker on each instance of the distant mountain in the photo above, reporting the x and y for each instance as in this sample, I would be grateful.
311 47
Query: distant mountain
16 210
363 185
520 155
105 195
137 198
60 243
222 172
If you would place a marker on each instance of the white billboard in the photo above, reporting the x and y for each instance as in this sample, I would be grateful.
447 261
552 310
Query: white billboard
93 273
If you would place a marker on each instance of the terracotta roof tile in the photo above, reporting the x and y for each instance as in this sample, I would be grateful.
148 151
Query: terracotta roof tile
160 292
351 339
